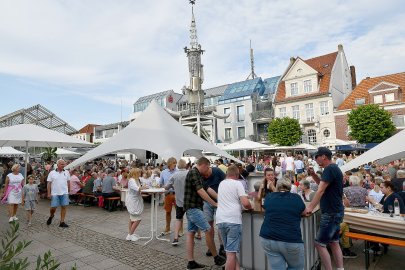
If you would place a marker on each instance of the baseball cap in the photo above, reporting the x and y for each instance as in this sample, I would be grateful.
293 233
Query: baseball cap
323 151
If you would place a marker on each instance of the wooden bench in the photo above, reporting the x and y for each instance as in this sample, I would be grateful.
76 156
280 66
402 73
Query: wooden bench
110 200
86 197
375 239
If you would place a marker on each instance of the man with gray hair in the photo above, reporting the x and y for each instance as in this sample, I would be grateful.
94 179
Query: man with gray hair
177 181
58 191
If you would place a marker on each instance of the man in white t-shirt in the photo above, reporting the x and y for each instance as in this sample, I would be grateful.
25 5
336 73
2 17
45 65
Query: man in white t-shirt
58 191
231 198
289 166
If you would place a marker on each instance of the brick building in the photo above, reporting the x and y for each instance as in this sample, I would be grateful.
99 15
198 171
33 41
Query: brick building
386 91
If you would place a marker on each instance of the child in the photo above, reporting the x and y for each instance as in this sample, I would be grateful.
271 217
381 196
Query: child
30 194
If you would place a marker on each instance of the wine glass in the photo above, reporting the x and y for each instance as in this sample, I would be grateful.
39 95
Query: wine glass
391 209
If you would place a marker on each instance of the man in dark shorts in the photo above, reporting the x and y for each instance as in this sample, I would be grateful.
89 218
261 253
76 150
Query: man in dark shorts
329 194
194 196
177 181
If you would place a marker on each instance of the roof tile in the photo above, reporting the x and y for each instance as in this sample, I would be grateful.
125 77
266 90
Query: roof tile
361 90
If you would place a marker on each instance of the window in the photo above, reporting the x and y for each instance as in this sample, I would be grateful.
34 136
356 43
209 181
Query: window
324 108
311 136
283 112
296 112
389 97
309 111
307 86
226 111
241 132
294 89
227 134
240 113
359 101
326 133
378 99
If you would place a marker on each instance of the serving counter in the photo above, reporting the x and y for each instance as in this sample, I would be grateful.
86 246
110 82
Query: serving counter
252 255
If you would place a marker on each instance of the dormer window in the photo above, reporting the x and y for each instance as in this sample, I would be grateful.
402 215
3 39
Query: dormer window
389 97
294 89
378 99
307 86
360 101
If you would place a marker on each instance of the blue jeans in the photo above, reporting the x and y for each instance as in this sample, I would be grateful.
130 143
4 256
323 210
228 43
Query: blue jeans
196 220
231 235
329 228
283 255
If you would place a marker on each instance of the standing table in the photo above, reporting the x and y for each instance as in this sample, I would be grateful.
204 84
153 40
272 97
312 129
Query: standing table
153 212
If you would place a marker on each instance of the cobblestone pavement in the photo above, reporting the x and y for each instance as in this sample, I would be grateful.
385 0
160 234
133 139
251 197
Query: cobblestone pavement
95 240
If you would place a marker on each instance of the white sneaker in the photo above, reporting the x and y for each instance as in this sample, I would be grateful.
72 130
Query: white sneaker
134 238
11 219
128 238
15 218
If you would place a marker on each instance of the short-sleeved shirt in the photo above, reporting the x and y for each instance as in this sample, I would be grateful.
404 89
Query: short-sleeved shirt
229 205
331 201
390 201
214 179
282 218
356 196
88 187
30 192
194 182
74 184
108 184
178 181
59 182
165 176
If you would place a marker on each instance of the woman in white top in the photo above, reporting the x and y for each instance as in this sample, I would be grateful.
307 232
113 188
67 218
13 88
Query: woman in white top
375 194
134 203
13 191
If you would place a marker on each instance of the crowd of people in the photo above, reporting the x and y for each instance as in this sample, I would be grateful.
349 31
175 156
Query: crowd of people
213 195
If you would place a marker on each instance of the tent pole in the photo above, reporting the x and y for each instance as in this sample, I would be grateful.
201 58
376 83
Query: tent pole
26 161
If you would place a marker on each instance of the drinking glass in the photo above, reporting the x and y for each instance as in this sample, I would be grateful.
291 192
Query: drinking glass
391 209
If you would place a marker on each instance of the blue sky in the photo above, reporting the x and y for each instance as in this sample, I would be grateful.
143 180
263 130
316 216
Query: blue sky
82 59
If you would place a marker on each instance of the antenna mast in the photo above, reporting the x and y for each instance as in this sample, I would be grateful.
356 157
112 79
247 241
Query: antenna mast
252 64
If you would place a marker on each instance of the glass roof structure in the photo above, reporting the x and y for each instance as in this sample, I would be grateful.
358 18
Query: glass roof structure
271 85
37 115
243 89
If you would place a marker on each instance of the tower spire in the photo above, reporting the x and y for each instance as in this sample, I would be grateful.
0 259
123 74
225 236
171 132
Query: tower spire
193 30
252 64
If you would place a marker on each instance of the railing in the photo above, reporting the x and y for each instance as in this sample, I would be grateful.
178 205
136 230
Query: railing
264 114
309 120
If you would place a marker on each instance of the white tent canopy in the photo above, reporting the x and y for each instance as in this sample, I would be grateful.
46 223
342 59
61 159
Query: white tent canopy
10 151
28 135
244 145
156 131
391 149
20 135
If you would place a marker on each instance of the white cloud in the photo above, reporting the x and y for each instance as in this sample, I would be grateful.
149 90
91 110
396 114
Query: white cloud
126 49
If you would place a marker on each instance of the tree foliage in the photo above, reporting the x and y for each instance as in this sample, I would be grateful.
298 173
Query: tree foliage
10 250
284 131
49 153
370 124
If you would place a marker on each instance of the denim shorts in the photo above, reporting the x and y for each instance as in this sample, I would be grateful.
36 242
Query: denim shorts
231 235
329 228
59 200
209 211
196 220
